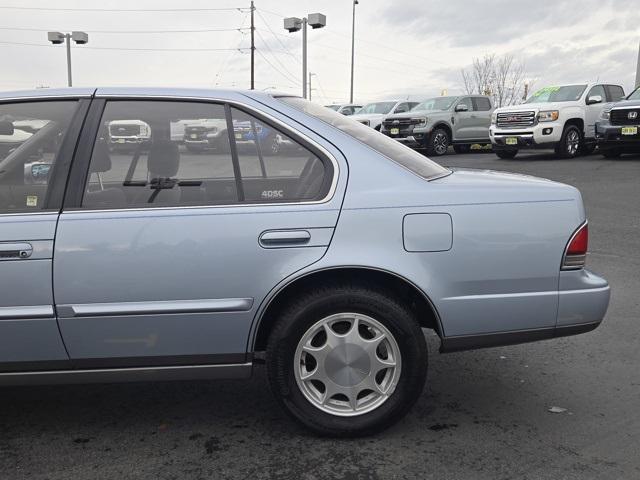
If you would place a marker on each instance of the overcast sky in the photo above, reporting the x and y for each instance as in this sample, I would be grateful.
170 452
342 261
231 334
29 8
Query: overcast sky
411 47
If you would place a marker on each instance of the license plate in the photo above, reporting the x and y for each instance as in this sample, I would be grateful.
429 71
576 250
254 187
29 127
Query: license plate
394 131
121 140
238 136
193 135
629 130
511 141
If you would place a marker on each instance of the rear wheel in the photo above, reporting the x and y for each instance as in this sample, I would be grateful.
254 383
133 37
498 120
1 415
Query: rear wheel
438 142
462 148
506 154
570 142
346 360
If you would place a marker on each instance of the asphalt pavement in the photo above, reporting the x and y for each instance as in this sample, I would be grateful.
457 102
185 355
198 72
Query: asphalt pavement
483 415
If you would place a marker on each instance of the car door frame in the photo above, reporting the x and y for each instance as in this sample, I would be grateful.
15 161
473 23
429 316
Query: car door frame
593 111
80 171
463 132
52 204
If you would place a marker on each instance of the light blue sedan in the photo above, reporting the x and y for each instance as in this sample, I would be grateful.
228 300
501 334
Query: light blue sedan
325 260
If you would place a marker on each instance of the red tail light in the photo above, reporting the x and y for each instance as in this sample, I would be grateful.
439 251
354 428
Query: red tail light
576 253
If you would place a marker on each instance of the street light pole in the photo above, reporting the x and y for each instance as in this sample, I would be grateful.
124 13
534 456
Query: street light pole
57 38
68 42
353 45
293 24
304 57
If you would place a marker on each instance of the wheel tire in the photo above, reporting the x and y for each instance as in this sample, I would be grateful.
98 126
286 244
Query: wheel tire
612 153
461 149
506 154
302 315
570 143
222 146
438 142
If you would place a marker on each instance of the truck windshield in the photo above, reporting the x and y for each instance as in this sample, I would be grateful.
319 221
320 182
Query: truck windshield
390 148
635 95
377 107
567 93
335 108
437 103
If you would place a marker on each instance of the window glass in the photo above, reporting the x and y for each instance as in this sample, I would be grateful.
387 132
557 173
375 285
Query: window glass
436 103
30 138
466 101
635 95
566 93
273 166
616 93
377 107
482 104
387 146
402 108
597 90
155 153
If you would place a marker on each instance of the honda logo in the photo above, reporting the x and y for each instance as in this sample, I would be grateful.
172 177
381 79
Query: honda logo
633 115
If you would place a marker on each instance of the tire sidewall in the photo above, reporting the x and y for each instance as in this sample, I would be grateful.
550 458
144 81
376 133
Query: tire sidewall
408 335
564 145
431 144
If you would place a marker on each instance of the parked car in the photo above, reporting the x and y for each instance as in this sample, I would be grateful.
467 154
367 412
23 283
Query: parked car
374 113
438 122
559 117
327 266
617 129
127 134
206 134
345 108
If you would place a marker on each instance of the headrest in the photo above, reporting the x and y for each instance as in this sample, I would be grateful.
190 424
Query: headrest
164 159
101 160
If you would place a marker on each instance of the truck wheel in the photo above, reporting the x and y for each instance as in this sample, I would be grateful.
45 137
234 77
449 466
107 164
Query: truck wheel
570 142
506 154
462 148
346 360
438 142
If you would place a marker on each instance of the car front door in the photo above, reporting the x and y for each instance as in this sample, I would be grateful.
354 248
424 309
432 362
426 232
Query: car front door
37 140
163 255
593 110
463 120
481 118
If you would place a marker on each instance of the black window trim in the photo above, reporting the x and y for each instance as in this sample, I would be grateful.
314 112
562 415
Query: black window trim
82 157
57 183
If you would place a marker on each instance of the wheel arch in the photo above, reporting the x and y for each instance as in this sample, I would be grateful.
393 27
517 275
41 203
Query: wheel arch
445 126
578 122
406 290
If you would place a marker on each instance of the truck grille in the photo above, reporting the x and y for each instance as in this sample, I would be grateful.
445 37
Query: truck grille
400 122
124 130
625 116
516 119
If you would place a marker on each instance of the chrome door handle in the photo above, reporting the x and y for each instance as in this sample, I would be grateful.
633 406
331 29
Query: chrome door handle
277 238
15 250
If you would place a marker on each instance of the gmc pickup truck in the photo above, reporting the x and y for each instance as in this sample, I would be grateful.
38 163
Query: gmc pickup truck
438 122
562 118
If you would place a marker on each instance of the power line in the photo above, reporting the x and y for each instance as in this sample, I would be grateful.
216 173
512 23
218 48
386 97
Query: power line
25 44
204 30
273 66
275 57
135 10
276 37
232 52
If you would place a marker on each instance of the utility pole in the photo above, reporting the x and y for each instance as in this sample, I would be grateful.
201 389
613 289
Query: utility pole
310 89
57 38
253 48
304 57
353 45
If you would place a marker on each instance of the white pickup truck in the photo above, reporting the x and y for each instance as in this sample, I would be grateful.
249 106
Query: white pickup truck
559 117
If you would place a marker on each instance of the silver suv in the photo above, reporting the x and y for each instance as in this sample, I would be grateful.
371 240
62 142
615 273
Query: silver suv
439 122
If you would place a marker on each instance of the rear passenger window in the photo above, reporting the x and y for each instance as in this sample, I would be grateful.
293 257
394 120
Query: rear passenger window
31 134
274 167
482 104
150 153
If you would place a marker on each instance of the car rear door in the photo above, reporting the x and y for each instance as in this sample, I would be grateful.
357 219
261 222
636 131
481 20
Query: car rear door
163 255
37 140
482 117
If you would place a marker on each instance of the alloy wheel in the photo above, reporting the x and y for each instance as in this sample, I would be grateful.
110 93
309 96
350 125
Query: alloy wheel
347 364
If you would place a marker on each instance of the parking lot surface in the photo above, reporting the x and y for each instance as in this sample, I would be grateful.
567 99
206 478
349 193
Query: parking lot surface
483 415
